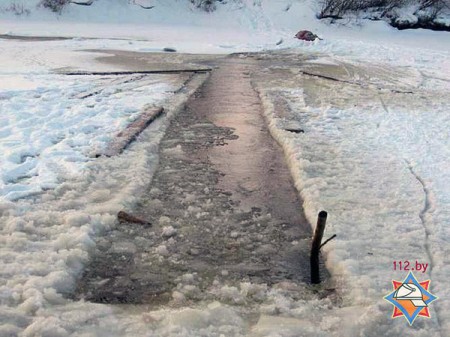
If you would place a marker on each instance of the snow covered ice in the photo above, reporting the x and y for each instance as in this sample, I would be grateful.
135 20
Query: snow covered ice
374 153
50 131
378 166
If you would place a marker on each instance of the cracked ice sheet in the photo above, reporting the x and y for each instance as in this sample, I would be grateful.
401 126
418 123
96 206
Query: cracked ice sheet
355 159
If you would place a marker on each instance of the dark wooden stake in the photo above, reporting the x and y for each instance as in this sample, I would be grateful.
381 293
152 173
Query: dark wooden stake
315 247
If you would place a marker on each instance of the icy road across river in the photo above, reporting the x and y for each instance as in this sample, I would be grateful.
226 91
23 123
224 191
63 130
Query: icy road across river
222 202
226 252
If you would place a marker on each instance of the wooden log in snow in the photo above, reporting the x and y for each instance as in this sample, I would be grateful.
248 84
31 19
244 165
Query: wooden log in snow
117 73
124 138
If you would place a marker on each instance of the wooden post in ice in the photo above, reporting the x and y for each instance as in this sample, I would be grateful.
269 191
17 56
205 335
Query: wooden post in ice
315 247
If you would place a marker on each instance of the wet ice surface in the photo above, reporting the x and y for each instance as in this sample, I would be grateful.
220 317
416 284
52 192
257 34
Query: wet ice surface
222 205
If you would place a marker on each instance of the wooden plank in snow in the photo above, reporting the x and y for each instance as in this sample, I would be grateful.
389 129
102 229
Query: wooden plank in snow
125 137
163 71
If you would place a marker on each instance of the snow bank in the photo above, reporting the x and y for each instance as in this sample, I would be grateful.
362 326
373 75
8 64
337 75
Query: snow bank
47 240
48 133
55 196
375 160
234 27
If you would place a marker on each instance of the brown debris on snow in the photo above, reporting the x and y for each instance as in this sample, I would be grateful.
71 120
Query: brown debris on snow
306 35
125 217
